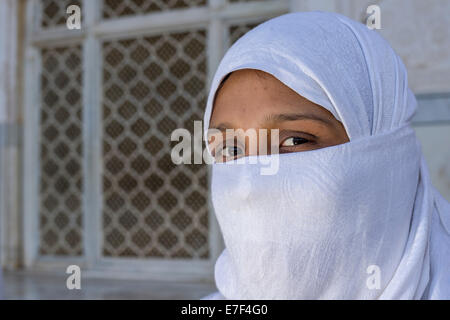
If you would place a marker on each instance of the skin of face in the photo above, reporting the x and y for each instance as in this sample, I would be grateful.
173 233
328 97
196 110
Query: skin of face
254 99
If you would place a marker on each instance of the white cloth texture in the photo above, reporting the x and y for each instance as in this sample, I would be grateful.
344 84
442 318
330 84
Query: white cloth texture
317 228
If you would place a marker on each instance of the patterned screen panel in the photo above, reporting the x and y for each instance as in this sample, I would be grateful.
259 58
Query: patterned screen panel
61 152
151 207
53 12
236 31
120 8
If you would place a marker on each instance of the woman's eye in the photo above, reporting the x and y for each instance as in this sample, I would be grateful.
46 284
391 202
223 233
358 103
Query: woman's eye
293 141
229 152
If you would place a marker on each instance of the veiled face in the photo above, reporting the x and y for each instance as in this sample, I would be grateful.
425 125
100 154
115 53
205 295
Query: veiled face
253 99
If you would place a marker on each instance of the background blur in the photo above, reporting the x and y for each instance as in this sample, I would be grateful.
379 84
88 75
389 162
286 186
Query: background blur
85 120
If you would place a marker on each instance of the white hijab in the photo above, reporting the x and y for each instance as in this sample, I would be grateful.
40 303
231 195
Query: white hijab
332 218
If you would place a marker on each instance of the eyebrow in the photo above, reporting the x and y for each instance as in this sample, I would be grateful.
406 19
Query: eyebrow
223 126
294 117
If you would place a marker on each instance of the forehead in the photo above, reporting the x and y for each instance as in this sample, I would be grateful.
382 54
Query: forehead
248 96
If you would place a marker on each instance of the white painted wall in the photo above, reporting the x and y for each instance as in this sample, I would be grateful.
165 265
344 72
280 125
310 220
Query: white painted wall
435 142
8 123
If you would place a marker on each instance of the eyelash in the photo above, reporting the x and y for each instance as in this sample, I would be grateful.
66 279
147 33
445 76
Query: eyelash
303 141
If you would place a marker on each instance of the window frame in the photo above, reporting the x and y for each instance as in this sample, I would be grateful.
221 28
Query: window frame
215 18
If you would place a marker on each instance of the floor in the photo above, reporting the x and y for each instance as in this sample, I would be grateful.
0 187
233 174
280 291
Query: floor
19 285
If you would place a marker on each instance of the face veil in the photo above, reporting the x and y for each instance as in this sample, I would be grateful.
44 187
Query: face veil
316 228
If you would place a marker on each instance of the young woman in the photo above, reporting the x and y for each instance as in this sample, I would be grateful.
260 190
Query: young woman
350 212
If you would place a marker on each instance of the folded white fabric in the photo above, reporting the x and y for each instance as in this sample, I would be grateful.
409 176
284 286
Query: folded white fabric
334 219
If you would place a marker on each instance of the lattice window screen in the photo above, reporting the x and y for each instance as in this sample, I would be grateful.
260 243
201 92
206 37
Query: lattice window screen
61 152
120 8
54 11
151 86
236 31
153 208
